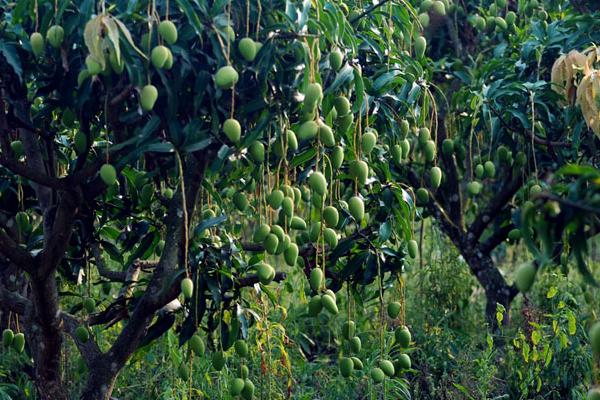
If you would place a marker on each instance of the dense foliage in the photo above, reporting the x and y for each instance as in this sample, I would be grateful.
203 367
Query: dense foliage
235 188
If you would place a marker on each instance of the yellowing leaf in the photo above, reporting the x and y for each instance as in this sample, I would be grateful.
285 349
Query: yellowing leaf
552 292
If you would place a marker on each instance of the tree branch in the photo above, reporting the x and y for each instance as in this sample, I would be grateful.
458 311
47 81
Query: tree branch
13 301
88 350
495 239
15 253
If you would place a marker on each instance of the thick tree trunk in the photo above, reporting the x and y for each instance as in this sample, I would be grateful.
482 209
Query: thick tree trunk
101 381
44 337
497 291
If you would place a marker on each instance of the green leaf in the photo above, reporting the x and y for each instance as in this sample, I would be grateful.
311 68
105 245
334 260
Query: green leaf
10 54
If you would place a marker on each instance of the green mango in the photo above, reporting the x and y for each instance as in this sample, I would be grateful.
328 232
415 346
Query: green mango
511 18
265 272
313 95
524 276
243 371
287 206
490 169
316 279
36 40
278 231
271 242
593 394
369 140
275 198
330 237
336 58
356 207
248 391
218 360
298 223
197 345
396 153
337 157
393 309
318 183
413 248
187 288
247 49
82 334
226 77
146 193
387 367
168 31
424 136
438 8
18 342
514 234
148 96
422 196
358 365
377 375
17 148
341 105
331 216
474 188
89 305
315 305
326 135
308 130
346 366
55 35
236 386
108 174
402 336
404 361
257 151
359 170
291 254
260 234
232 129
429 150
329 304
405 145
241 348
93 66
420 46
479 171
424 20
435 175
159 56
448 146
7 337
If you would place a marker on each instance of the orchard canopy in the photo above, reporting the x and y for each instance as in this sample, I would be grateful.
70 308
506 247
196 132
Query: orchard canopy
175 167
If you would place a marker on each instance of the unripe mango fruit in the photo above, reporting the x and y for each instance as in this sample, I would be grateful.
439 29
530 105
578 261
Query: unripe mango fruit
187 288
356 207
218 360
346 366
108 174
82 334
265 272
318 183
308 130
595 337
7 337
241 348
331 216
236 386
261 233
422 196
413 248
336 58
342 105
348 329
420 46
315 305
355 344
168 31
298 223
337 157
404 361
359 170
257 151
369 140
358 365
271 242
36 40
226 77
316 279
435 177
55 35
387 367
329 304
524 276
377 375
197 345
313 95
232 129
247 49
402 336
393 309
159 56
148 97
291 254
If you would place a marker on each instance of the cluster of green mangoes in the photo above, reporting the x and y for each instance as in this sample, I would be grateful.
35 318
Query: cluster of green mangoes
434 7
16 341
501 20
402 362
55 36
